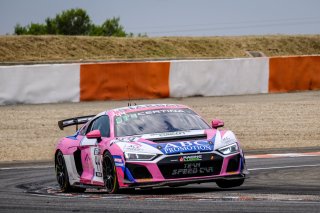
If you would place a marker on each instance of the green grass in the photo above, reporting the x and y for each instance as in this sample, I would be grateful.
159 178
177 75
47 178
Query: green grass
22 49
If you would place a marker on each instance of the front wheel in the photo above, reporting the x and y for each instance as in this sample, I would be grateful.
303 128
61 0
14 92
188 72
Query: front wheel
109 174
229 183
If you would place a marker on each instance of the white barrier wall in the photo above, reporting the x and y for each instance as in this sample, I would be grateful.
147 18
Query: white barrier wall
219 77
39 83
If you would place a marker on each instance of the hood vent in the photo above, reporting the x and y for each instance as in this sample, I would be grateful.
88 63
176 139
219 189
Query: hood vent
179 138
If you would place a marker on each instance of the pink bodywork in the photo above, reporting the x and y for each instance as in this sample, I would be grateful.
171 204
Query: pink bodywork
69 145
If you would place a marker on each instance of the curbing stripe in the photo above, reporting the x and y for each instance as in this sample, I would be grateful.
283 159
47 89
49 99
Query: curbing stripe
290 155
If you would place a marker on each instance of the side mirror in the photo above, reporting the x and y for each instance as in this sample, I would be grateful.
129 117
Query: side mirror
217 123
95 134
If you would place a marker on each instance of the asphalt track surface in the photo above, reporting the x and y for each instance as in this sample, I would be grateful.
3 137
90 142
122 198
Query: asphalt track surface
281 184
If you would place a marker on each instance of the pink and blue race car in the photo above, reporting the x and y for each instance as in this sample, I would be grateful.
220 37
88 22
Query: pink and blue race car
147 146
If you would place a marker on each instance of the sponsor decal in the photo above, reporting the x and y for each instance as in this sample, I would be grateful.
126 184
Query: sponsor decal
133 147
87 158
145 106
97 161
134 115
160 111
169 134
96 151
228 140
124 139
118 161
119 164
126 117
190 158
187 146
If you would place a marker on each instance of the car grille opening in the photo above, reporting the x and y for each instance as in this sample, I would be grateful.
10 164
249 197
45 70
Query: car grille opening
77 160
138 171
233 164
195 165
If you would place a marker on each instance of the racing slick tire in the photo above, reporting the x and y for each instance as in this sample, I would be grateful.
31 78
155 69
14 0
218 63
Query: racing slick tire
229 183
62 175
109 174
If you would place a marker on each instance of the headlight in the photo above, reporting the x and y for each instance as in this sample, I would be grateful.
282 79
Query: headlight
139 156
229 149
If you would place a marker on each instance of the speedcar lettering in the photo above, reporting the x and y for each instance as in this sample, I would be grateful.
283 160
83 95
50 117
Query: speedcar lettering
168 134
159 111
146 106
191 169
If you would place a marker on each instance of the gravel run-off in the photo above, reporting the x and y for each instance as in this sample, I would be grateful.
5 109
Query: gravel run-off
287 120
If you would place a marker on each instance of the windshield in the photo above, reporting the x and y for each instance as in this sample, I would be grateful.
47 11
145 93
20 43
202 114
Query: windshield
158 121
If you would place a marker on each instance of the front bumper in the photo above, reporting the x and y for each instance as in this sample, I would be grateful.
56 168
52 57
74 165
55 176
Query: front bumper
172 170
185 182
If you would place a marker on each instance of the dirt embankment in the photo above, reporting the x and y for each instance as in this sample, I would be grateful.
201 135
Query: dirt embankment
17 49
30 132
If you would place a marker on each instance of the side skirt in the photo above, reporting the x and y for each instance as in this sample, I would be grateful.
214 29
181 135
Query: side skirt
72 169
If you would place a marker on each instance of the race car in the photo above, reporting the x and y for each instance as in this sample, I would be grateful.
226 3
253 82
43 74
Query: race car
146 146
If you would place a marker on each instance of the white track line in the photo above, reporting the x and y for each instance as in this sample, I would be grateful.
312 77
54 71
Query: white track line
26 167
253 169
284 167
264 156
285 155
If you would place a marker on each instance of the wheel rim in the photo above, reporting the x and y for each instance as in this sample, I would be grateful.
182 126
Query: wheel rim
108 174
60 170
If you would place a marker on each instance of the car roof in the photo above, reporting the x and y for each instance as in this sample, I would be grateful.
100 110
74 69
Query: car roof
135 108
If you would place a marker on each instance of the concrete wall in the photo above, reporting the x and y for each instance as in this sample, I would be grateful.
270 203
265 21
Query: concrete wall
39 83
144 80
219 77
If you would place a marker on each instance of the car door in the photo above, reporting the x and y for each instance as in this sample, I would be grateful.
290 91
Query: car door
91 156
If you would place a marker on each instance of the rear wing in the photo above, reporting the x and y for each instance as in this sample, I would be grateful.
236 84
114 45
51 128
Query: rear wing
74 121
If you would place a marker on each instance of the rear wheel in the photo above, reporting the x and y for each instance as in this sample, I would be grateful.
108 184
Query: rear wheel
62 175
229 183
109 174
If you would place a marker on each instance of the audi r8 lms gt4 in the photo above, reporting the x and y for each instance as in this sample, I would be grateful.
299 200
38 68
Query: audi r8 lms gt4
147 146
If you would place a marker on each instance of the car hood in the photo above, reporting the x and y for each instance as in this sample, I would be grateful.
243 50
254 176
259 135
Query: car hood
192 141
